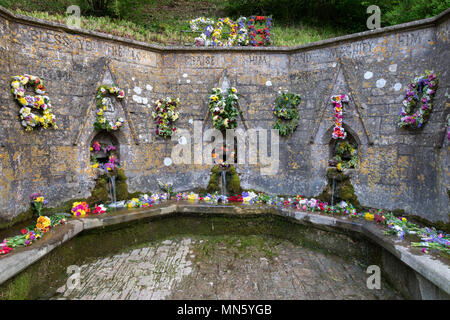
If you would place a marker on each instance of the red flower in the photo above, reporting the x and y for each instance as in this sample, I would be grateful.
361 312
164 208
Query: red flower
23 231
237 198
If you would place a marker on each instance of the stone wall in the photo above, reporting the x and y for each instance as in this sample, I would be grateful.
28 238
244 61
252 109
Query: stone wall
398 169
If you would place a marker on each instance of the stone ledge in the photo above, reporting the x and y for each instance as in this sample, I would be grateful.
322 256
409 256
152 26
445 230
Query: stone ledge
433 270
429 22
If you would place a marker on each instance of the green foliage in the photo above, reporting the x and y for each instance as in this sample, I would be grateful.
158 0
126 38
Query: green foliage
19 288
287 113
295 21
401 11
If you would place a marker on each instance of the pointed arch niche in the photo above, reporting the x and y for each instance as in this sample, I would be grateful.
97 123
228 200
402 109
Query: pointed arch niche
110 146
352 138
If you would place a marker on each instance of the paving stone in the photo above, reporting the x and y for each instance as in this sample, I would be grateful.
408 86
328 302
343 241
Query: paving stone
176 269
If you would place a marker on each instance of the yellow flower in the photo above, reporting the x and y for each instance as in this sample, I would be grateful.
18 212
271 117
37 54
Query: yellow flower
339 166
23 101
368 216
95 165
404 219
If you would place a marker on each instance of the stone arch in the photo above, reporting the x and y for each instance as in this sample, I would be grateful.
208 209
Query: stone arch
106 138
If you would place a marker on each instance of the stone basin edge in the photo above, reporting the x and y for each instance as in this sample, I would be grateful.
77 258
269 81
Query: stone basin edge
430 268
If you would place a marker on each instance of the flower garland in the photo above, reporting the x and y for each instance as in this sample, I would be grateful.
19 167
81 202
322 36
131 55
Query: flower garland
102 104
345 149
223 109
286 109
165 115
39 101
339 132
422 89
263 33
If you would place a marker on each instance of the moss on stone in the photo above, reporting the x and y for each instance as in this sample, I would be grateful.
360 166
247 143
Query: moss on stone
122 187
213 184
31 284
343 189
19 288
234 187
21 217
100 192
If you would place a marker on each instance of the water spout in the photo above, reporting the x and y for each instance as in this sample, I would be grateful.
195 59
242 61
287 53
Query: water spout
332 192
112 189
224 183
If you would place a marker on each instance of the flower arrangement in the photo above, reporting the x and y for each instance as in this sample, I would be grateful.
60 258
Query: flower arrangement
133 203
263 33
286 110
37 201
39 101
212 36
421 90
166 187
4 249
100 209
43 224
224 110
80 209
339 132
32 233
113 161
102 104
165 115
346 155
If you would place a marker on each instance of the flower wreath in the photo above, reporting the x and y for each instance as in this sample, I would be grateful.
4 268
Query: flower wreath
39 101
165 115
223 109
286 109
345 149
422 89
264 33
339 131
101 122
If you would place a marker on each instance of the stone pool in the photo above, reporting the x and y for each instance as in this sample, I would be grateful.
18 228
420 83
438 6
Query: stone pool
186 250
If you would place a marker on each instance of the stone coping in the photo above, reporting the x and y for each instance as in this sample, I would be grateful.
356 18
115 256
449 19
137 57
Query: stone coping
432 269
429 22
